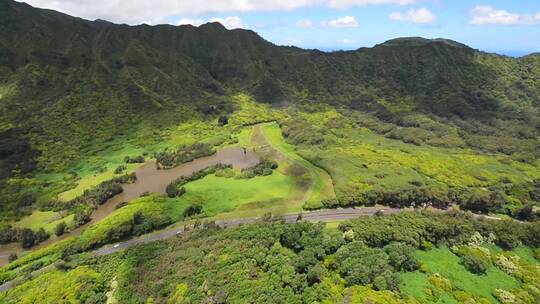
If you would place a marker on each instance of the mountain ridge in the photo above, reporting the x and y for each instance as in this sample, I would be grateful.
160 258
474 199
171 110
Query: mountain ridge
65 76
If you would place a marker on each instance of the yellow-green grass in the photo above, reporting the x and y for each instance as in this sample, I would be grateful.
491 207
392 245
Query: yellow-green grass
444 262
244 137
333 224
524 252
45 255
100 166
153 206
43 219
360 160
92 180
52 287
4 91
322 186
242 197
251 112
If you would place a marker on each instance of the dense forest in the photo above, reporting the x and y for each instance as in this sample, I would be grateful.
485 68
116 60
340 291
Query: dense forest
68 85
385 259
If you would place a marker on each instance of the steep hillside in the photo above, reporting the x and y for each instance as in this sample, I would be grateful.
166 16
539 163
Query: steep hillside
69 86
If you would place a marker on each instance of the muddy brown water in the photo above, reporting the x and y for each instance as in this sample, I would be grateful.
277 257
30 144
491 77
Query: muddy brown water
149 180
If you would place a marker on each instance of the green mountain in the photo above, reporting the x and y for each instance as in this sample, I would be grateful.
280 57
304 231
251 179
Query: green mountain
406 124
69 85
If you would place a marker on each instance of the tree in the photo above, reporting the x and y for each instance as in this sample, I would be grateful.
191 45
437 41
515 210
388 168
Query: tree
474 264
60 228
315 274
12 257
192 210
138 217
41 235
401 257
120 169
27 238
223 120
173 190
526 213
81 217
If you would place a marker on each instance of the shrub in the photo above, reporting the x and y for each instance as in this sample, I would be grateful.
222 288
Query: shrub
60 228
474 264
8 235
527 213
99 194
120 169
173 191
134 160
401 257
223 120
192 210
504 296
81 217
183 154
27 238
362 265
263 168
122 204
417 183
426 245
12 257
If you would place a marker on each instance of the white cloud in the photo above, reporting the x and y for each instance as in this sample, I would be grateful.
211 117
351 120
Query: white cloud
348 3
293 41
487 15
345 21
422 15
304 23
135 11
194 22
230 22
346 41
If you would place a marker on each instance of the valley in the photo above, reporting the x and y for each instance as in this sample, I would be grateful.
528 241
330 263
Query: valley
203 164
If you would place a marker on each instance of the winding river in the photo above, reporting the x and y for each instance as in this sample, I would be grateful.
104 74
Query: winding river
149 180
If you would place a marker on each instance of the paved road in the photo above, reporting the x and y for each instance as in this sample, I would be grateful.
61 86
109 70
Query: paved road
311 216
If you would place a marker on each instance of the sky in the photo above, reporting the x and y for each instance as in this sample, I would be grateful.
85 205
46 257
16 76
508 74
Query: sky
510 27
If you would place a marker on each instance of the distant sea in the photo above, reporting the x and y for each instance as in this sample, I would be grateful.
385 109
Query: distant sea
513 53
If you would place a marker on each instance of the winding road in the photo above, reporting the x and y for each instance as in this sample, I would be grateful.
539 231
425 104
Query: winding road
310 216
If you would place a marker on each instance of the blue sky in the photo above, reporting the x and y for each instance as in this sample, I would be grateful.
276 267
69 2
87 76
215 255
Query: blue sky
508 27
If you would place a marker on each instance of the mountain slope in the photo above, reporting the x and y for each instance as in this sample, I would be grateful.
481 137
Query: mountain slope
68 85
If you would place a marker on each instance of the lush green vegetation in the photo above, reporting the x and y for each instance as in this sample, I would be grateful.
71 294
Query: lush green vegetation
408 123
306 263
367 168
184 154
176 188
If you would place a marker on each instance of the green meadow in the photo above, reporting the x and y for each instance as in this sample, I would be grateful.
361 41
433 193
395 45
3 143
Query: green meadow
346 161
443 262
361 161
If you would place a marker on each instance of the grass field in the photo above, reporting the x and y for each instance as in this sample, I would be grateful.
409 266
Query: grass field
321 187
359 161
220 195
43 219
444 262
47 288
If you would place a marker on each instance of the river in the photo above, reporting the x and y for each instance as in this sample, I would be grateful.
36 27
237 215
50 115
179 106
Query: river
149 180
